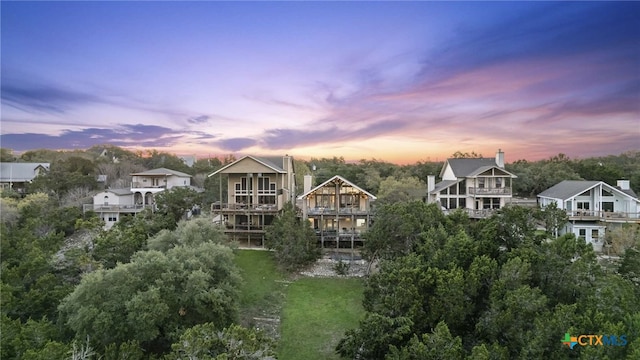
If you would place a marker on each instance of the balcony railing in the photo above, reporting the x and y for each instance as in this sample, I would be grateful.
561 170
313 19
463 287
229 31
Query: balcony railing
334 211
489 191
144 185
113 208
602 215
217 207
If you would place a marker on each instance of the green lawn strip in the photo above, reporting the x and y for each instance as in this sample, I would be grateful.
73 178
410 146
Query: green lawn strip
262 291
316 314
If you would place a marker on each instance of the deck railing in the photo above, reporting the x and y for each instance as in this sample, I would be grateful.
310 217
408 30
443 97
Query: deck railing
113 208
602 215
217 207
489 191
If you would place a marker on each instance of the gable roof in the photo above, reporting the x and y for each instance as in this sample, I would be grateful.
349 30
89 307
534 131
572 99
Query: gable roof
20 172
339 179
482 169
273 162
567 189
161 171
463 167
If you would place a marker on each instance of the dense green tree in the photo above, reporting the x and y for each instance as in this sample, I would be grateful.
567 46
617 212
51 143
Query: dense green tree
400 190
438 345
207 342
292 239
154 296
553 218
176 202
398 227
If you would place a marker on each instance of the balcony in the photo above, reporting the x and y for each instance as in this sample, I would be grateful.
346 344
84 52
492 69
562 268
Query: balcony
114 208
243 208
593 215
147 185
489 191
334 211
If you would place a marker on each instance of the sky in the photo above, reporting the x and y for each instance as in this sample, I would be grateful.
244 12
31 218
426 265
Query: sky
393 81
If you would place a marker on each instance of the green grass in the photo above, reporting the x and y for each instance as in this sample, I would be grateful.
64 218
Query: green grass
262 292
316 314
260 275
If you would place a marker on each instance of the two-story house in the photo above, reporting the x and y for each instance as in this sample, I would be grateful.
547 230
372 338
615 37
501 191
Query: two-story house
478 185
592 206
16 176
257 189
111 204
339 211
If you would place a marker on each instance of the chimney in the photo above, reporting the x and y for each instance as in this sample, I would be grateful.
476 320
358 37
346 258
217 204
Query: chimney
623 184
431 183
500 158
308 181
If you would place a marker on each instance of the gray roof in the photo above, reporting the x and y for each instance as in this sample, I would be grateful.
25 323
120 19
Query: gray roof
568 188
120 191
161 171
629 192
463 167
19 172
443 185
273 161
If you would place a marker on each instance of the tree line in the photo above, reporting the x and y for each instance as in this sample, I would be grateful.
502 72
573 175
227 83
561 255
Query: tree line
73 174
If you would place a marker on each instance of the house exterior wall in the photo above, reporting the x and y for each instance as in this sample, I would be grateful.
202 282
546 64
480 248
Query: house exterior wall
146 181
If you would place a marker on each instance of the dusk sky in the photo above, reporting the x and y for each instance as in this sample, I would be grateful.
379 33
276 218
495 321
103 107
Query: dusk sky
395 81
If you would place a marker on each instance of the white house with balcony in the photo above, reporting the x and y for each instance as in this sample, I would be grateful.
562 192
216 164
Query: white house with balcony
112 204
592 206
477 185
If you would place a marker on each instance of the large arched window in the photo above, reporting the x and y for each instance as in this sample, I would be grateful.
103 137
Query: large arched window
106 199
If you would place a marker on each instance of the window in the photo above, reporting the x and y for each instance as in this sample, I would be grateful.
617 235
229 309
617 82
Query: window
452 203
443 203
462 203
582 234
583 205
481 183
106 200
113 219
241 187
463 187
607 206
595 234
453 190
498 182
265 186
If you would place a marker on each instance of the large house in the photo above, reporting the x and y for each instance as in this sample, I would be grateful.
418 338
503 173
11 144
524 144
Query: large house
478 185
111 204
338 210
592 206
16 176
257 189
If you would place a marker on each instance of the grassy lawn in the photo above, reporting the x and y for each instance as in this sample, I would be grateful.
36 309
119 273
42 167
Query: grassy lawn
262 292
316 314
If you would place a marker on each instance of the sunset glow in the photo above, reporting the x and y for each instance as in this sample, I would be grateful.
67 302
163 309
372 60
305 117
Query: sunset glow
395 81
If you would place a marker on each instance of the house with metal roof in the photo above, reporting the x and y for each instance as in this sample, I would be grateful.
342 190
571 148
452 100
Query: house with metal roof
16 176
257 188
477 185
338 210
592 206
